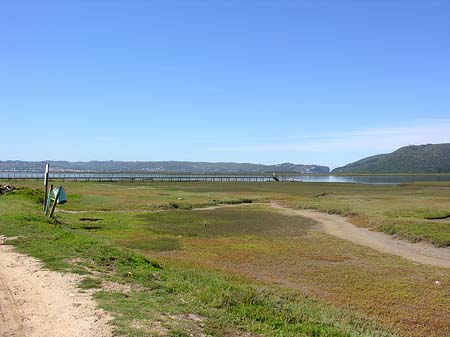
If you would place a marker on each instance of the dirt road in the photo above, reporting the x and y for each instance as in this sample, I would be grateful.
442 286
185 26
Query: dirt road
35 302
340 227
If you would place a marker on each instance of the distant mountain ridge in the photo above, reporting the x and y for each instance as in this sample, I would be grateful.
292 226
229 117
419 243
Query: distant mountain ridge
430 158
160 166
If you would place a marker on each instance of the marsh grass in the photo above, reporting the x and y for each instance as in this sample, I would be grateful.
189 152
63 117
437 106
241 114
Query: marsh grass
157 244
253 220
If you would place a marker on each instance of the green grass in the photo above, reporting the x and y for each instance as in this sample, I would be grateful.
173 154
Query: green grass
164 231
90 283
223 304
254 220
157 244
229 306
436 233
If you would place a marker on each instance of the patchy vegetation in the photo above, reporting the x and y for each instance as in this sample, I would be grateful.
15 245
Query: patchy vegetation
399 210
37 195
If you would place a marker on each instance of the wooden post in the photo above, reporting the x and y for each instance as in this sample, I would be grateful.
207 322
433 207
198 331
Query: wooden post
49 199
46 186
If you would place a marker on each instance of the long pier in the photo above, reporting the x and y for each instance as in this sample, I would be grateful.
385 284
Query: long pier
163 177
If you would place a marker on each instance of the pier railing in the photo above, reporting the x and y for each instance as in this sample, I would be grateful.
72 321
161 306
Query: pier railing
175 177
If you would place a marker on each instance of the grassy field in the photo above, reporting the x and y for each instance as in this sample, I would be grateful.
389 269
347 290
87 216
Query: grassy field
245 270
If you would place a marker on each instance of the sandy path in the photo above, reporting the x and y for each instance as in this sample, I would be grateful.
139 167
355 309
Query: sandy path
36 302
340 227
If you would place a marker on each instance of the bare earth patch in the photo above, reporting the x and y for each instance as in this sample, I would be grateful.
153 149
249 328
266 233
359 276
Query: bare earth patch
37 302
115 287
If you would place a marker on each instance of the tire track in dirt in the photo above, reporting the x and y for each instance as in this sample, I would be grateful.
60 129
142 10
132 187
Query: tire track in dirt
10 323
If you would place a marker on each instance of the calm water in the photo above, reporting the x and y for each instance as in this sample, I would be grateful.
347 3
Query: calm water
394 179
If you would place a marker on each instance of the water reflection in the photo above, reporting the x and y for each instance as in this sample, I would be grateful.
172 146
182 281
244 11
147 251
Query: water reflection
375 179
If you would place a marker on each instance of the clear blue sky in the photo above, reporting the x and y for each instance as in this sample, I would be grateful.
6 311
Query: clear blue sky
323 82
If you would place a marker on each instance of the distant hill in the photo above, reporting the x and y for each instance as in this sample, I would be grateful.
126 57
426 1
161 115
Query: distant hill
430 158
159 166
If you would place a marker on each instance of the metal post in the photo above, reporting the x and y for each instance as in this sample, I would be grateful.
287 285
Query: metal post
55 202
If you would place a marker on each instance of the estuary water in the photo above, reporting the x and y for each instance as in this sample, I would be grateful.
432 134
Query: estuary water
371 179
